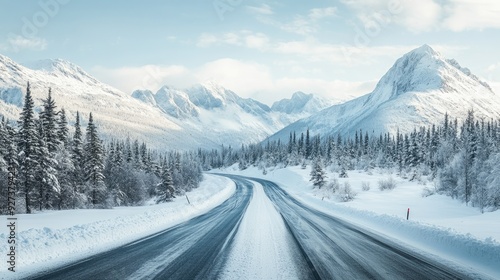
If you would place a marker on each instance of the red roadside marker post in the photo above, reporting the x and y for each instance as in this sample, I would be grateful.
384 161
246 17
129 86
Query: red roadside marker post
408 214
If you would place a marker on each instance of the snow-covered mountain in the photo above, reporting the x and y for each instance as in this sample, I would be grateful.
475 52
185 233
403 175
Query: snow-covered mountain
417 91
225 117
205 115
116 113
301 103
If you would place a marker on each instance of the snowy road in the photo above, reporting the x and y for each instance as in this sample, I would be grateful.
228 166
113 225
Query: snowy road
195 249
260 233
263 247
336 249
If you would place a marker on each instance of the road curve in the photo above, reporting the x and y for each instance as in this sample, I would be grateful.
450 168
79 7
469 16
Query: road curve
336 249
195 249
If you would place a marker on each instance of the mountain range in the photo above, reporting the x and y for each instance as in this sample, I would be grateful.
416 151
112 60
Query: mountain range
418 90
205 115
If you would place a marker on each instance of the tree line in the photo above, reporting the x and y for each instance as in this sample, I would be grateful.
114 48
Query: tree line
55 170
463 159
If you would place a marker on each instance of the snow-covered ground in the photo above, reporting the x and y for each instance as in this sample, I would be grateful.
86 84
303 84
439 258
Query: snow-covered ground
438 225
53 238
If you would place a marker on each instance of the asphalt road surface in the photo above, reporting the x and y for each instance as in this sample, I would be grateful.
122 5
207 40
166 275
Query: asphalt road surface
195 249
336 249
330 248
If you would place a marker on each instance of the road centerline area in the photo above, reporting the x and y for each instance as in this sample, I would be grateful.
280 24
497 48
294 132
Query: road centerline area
263 247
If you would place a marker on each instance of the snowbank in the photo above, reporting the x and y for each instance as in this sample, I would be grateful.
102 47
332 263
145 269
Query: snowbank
438 225
51 239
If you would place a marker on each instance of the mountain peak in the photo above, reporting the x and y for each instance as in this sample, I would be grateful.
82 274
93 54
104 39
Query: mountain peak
301 95
300 103
61 68
418 90
5 59
49 65
423 70
425 49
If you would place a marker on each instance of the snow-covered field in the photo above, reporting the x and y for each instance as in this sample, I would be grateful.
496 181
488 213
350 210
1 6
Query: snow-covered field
438 225
53 238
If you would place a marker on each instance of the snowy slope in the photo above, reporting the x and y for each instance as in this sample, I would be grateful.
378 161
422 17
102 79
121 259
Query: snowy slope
206 115
74 90
418 90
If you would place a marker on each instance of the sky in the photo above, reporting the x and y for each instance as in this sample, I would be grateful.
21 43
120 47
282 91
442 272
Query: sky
264 50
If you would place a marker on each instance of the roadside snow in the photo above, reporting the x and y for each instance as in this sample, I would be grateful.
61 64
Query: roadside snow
263 248
51 239
438 225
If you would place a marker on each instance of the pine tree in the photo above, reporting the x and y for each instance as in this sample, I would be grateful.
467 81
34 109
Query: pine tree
27 143
49 122
165 190
470 152
144 156
63 133
46 174
308 148
94 164
8 163
413 152
137 155
4 142
77 158
318 175
67 195
128 151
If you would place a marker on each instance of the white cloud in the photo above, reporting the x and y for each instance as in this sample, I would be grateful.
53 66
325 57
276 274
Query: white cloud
415 16
493 67
244 78
263 9
423 16
313 50
151 77
17 42
301 24
472 14
232 39
241 38
428 15
257 41
334 90
206 40
248 79
319 13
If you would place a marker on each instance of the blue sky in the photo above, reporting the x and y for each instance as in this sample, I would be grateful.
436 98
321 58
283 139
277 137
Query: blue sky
261 49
